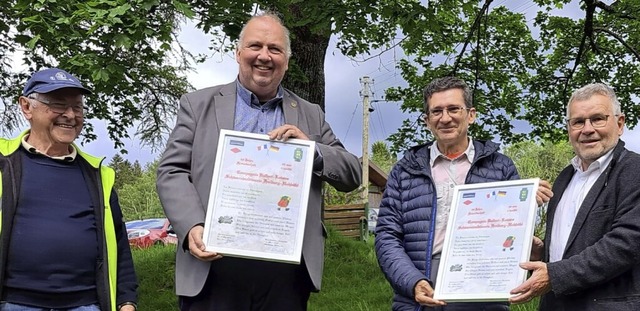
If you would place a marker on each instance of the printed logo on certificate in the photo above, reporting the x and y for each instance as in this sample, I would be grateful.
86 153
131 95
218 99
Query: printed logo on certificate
489 233
259 195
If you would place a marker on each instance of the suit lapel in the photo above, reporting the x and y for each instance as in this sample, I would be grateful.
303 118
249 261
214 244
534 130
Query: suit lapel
290 107
225 106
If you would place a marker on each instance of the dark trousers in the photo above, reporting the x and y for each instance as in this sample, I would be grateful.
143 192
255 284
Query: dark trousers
236 284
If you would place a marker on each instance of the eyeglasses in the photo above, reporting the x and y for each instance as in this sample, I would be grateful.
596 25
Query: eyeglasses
452 111
60 108
596 121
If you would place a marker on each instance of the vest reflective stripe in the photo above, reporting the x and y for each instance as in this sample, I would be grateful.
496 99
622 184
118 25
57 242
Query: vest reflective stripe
108 179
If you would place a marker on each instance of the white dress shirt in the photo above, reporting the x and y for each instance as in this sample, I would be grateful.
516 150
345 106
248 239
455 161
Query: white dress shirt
571 201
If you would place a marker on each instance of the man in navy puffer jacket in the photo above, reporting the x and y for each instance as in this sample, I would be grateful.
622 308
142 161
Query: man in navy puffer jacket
415 205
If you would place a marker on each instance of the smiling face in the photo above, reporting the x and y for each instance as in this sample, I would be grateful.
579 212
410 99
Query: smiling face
51 132
591 143
262 56
450 130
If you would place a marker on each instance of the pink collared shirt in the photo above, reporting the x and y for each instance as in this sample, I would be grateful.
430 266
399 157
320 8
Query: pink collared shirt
447 173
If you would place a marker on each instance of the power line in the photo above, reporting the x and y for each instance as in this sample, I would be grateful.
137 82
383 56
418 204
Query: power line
384 130
351 121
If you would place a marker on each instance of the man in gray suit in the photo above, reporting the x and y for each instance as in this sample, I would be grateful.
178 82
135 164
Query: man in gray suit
255 103
592 249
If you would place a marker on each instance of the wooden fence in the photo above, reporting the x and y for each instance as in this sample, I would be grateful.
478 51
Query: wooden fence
350 219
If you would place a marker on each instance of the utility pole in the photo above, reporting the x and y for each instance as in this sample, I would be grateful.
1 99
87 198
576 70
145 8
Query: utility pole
365 93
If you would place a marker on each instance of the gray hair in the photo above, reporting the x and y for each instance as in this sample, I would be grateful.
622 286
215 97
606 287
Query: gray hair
444 84
277 19
592 89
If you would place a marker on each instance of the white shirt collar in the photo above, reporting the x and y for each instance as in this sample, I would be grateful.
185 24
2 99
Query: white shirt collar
601 163
67 158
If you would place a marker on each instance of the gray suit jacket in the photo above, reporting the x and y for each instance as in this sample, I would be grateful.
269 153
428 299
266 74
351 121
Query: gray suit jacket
186 169
600 267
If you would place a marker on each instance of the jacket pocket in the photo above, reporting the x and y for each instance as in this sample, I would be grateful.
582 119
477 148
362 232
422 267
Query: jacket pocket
631 303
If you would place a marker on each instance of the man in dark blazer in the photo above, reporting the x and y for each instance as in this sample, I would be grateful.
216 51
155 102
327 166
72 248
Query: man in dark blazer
256 103
592 240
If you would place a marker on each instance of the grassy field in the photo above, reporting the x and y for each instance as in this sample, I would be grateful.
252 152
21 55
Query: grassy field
352 279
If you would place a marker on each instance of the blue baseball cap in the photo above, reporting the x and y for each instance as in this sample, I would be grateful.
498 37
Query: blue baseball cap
49 80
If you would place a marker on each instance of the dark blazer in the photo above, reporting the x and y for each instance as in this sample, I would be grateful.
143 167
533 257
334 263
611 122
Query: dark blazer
600 267
186 169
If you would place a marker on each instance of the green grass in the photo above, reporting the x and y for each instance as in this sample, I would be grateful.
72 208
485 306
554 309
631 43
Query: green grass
352 279
155 268
531 306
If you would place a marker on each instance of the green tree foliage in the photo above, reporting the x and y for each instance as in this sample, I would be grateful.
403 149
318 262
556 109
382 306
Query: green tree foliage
138 198
520 74
121 49
335 197
382 157
540 160
126 173
127 51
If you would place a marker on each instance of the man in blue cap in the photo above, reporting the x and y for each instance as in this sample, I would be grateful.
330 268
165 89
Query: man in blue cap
63 245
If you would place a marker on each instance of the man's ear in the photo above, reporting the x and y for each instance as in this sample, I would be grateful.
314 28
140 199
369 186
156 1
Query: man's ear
25 107
425 119
472 115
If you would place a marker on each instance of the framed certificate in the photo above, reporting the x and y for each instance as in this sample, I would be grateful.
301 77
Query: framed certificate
259 194
489 232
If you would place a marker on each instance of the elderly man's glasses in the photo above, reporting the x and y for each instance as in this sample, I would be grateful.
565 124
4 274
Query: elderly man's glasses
596 121
60 108
452 111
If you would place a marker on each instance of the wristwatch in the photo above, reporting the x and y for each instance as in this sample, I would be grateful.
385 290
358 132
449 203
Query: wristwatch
128 303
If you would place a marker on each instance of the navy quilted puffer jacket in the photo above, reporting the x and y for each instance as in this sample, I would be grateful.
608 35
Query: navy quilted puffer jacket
406 220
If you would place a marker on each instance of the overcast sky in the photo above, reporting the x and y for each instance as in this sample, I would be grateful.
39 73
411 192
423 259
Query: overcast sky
343 100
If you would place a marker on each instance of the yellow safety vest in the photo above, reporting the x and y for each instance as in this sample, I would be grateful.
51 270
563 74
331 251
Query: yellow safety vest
107 178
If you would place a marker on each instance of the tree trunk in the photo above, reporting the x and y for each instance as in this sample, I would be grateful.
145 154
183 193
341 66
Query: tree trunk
306 66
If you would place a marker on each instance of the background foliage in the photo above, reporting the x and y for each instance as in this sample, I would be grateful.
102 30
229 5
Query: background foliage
121 49
542 160
522 70
381 156
136 189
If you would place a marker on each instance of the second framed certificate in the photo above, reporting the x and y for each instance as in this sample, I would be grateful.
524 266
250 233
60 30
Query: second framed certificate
489 233
259 193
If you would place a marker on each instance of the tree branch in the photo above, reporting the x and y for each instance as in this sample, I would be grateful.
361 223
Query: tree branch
620 39
588 33
478 46
476 23
381 52
604 6
614 10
